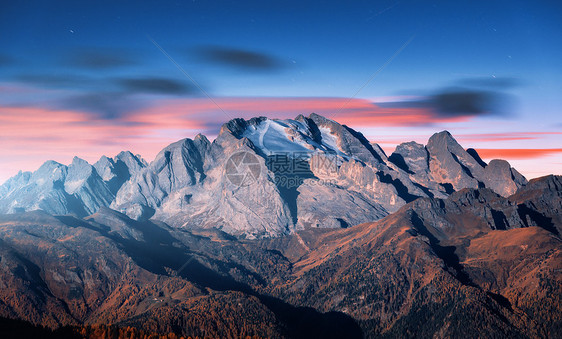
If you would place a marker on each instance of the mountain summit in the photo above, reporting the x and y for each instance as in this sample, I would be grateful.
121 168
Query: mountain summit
297 173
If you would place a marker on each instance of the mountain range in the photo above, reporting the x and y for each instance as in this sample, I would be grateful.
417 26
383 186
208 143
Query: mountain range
312 172
285 228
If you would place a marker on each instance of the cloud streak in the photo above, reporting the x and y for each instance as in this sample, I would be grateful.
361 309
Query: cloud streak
102 105
155 85
238 58
459 103
468 97
357 112
98 59
52 80
511 136
462 102
107 98
519 153
499 83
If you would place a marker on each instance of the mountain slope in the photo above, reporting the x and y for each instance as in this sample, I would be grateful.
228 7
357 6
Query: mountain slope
447 268
474 264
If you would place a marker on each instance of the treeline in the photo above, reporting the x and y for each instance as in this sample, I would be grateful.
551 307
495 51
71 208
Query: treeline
12 328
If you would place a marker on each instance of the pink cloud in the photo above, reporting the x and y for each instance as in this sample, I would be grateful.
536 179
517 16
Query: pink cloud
359 112
29 135
510 136
520 153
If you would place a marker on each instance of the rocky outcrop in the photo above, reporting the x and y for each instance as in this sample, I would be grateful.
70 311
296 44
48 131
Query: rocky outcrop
443 166
176 167
116 171
540 202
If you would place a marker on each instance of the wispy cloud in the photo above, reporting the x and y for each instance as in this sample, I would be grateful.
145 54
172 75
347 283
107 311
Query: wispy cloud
100 105
502 83
156 85
238 58
53 80
463 102
458 103
476 96
98 58
510 136
103 97
520 153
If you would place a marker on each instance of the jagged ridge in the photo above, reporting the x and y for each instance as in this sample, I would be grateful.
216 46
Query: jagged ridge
186 185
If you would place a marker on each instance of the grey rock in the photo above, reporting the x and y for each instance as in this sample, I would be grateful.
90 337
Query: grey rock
449 163
412 157
76 189
116 171
540 202
177 166
85 185
443 166
501 178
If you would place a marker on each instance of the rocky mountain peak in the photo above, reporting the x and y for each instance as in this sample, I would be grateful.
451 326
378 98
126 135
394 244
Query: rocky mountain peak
79 172
411 157
451 165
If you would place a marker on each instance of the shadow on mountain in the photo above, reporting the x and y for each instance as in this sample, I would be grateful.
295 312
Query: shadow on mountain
463 167
399 161
445 253
526 213
31 272
398 185
500 299
306 322
290 172
451 260
74 222
449 189
122 175
500 221
364 142
424 189
476 157
160 250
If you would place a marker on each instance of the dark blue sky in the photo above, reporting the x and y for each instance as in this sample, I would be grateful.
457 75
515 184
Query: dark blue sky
96 56
336 45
